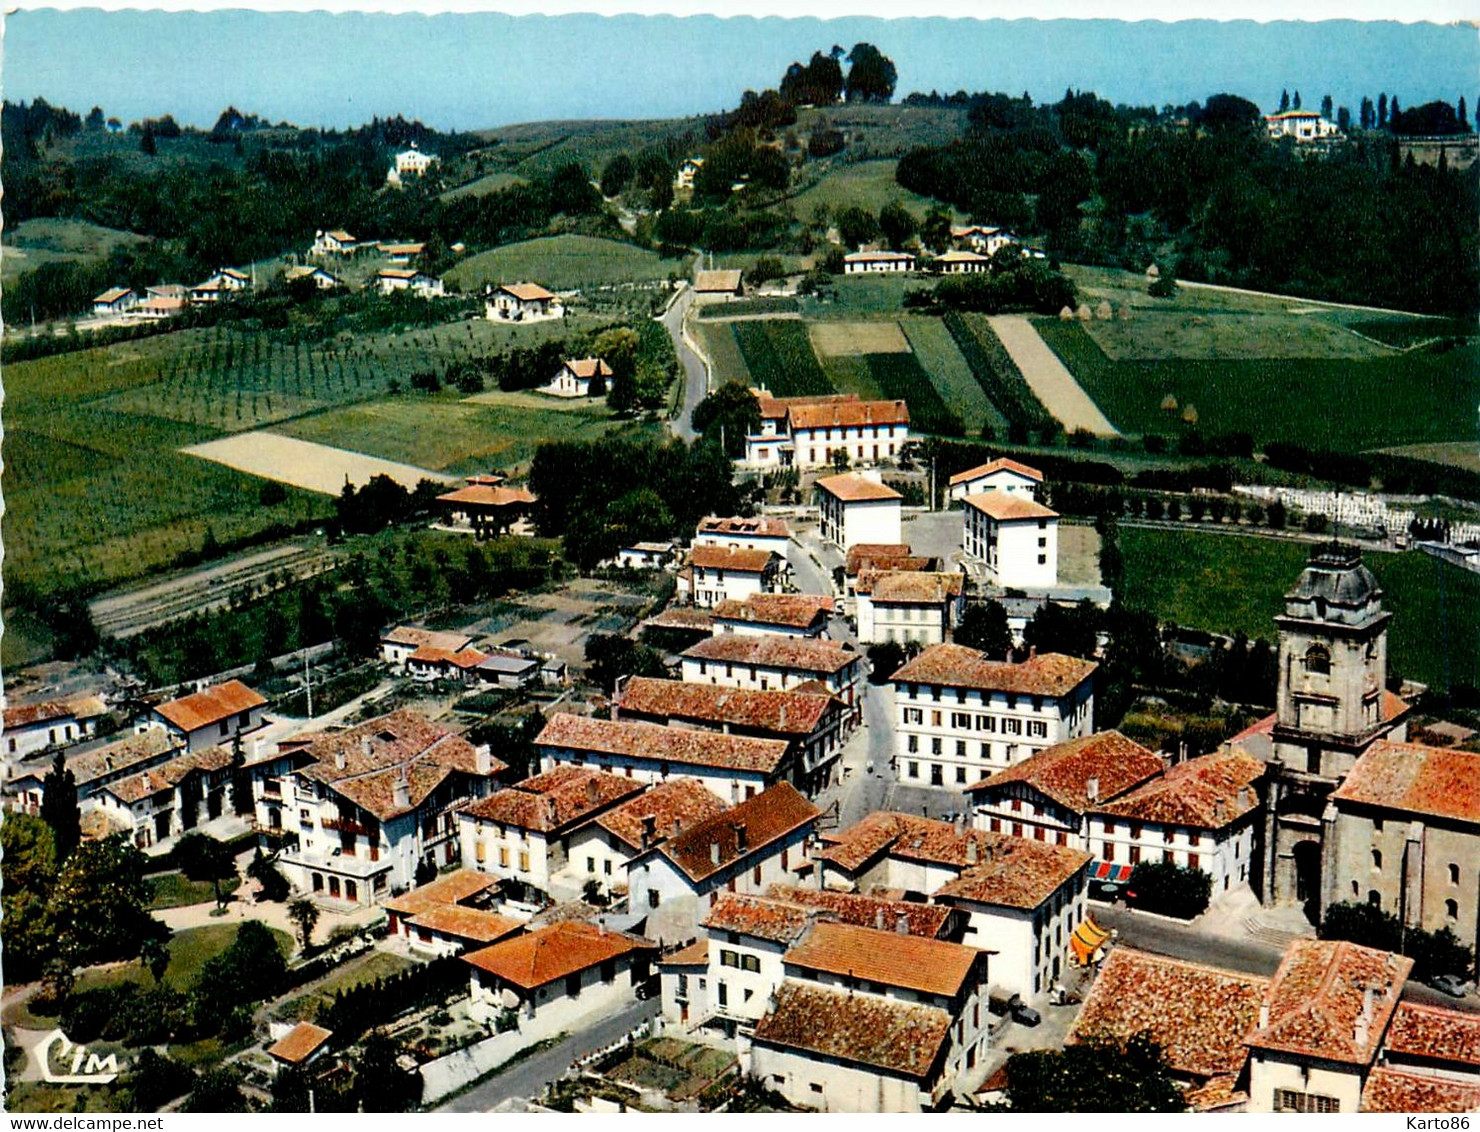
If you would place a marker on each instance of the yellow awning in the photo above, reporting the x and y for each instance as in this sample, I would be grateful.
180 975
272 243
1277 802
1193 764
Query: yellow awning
1086 940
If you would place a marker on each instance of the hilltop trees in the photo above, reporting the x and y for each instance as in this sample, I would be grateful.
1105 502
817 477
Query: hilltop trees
871 75
819 82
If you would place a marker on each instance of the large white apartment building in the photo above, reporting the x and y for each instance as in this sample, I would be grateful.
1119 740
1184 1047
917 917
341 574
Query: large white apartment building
858 507
809 432
961 717
1016 538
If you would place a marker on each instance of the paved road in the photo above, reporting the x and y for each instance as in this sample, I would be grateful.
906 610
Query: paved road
529 1077
696 375
1054 385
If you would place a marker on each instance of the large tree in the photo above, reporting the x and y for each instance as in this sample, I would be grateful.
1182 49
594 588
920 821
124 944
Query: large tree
985 627
730 411
59 808
99 903
871 74
1094 1075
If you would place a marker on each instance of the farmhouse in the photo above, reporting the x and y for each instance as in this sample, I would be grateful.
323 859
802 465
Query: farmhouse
787 615
719 574
449 915
398 643
734 767
156 805
1302 125
759 533
579 377
163 301
523 832
1003 475
29 728
301 1046
400 253
963 717
215 715
961 263
771 661
1016 539
429 663
115 300
718 286
684 179
806 432
602 850
981 238
908 606
322 279
861 262
487 511
858 508
520 302
337 242
359 810
391 279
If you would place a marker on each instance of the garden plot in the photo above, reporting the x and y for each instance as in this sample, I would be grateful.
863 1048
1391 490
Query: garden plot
301 463
852 338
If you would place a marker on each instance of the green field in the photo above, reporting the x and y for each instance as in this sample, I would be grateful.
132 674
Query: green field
941 358
1225 583
488 183
1338 404
778 355
32 243
563 263
853 297
189 950
726 362
899 377
868 185
532 148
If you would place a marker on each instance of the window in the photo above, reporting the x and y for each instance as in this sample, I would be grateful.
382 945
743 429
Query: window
816 1087
1042 559
912 742
750 963
1289 1100
961 774
1451 909
937 776
503 856
935 746
986 723
523 861
960 748
1453 873
961 720
590 863
1037 729
1377 860
914 769
1318 660
1374 898
572 985
724 993
1194 861
1135 831
1135 854
653 898
729 958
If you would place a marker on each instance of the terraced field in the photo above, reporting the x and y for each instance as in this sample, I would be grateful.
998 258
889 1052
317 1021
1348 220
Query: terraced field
779 356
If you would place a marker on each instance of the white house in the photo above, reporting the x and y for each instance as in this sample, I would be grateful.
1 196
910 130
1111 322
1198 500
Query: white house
684 986
419 283
602 849
1016 539
93 769
962 717
786 615
961 263
522 833
322 279
336 242
758 533
877 556
215 715
557 977
858 263
645 556
734 767
521 302
410 163
717 574
115 300
684 178
856 507
29 728
579 377
400 253
749 936
156 805
760 842
1021 899
908 606
771 661
1302 125
1001 475
982 238
806 432
400 641
718 286
358 810
449 915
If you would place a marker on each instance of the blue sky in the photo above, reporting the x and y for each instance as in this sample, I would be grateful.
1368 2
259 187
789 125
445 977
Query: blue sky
468 71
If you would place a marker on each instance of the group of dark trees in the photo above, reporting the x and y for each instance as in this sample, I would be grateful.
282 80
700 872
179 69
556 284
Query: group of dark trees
1433 953
1114 184
605 494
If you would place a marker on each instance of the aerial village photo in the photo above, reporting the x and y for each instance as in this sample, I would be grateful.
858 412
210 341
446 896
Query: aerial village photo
678 564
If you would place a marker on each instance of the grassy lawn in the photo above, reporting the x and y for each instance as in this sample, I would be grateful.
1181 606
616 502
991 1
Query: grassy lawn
364 968
562 263
1227 583
726 361
489 183
542 147
941 358
779 356
175 890
864 296
32 243
868 185
850 373
189 951
1345 405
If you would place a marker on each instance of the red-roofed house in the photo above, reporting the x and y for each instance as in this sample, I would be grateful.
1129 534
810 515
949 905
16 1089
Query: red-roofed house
717 574
521 302
603 849
156 805
214 715
773 662
579 377
786 615
857 507
908 606
1014 537
430 663
806 432
754 534
29 728
1002 475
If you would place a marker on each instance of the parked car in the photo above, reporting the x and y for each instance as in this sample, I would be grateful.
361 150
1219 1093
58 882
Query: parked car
1025 1015
1452 985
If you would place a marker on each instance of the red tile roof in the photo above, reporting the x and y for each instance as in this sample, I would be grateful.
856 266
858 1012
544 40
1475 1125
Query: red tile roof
299 1043
1198 1014
418 638
853 488
742 559
674 806
758 916
773 651
671 744
1063 772
28 715
1047 674
99 762
1392 1090
775 408
869 911
1208 792
766 818
191 713
695 954
911 586
554 801
901 1037
1320 1005
879 552
848 414
1006 507
473 924
794 714
1002 464
794 611
1434 781
453 888
587 368
167 775
918 963
762 526
1432 1032
546 954
465 658
481 495
526 292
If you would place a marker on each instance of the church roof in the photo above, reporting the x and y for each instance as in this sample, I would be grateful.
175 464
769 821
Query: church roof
1335 585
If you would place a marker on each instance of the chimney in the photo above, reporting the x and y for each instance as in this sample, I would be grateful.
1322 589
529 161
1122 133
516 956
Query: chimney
601 925
677 826
783 717
1263 1015
593 792
340 759
365 745
714 852
902 925
1032 651
403 790
1092 789
145 779
649 829
550 808
740 838
879 918
971 851
483 759
959 821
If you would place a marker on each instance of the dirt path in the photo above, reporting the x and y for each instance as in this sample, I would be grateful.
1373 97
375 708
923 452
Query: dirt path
1050 381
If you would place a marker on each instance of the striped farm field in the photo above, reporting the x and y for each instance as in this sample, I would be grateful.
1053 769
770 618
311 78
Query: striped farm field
843 339
726 362
942 359
779 356
899 377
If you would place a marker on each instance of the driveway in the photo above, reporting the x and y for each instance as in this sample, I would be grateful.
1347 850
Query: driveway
528 1078
695 372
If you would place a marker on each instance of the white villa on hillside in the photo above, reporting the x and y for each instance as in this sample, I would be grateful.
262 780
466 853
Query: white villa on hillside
520 302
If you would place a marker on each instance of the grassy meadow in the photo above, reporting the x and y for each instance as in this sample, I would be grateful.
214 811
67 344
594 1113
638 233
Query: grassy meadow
563 263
